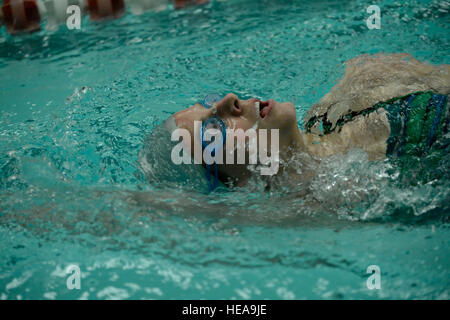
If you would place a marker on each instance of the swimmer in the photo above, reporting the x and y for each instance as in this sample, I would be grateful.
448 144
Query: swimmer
386 105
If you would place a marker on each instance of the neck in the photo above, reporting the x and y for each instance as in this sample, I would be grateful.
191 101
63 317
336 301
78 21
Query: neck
294 142
295 161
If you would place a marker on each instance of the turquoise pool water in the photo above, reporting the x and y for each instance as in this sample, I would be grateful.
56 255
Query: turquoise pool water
77 106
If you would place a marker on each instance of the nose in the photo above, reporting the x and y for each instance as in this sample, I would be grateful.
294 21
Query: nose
229 105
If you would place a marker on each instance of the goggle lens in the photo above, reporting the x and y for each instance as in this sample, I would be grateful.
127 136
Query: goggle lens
211 99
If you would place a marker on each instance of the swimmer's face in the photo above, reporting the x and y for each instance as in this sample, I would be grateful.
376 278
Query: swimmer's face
243 114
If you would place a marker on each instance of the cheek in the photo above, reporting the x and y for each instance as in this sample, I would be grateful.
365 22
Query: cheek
242 122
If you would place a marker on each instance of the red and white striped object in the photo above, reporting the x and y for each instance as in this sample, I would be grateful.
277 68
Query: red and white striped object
178 4
21 15
100 9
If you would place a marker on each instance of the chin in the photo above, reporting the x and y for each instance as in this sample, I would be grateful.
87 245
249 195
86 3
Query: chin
289 108
283 116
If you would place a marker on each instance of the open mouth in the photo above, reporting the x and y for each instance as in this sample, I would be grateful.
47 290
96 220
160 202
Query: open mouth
265 107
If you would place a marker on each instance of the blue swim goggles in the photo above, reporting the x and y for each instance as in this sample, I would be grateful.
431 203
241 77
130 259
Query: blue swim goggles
213 122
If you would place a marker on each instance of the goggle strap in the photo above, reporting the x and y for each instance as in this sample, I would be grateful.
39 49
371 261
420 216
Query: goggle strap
208 176
212 186
216 176
209 102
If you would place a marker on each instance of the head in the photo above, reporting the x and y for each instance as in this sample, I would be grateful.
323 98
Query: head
244 114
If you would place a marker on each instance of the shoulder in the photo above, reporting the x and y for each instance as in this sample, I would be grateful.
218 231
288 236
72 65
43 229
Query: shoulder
367 132
369 79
